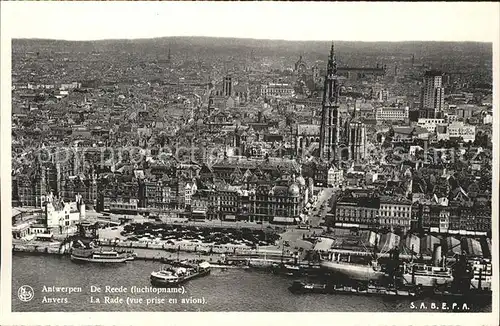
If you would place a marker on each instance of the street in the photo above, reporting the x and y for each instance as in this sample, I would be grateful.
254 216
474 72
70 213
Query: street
319 212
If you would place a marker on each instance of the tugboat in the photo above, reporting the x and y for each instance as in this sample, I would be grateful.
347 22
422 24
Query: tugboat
299 287
166 277
175 275
286 269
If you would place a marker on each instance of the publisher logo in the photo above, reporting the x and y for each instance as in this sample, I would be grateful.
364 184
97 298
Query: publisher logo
25 293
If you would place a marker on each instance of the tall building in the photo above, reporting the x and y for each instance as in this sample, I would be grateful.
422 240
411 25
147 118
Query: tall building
315 74
227 86
432 95
355 139
330 122
339 139
300 67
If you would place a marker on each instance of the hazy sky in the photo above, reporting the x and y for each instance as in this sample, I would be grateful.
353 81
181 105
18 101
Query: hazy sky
289 21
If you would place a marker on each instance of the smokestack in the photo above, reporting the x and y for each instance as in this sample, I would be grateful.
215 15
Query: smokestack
479 284
437 254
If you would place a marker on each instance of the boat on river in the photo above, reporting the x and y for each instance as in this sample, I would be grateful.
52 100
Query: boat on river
355 271
427 275
175 275
299 287
84 251
101 257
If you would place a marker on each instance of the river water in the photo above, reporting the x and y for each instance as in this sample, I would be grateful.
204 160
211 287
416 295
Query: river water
222 290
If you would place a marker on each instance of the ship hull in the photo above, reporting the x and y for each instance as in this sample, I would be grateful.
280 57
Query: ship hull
77 259
168 282
426 280
304 288
354 272
156 281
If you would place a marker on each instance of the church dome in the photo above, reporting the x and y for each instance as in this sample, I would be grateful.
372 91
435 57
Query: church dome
294 190
301 181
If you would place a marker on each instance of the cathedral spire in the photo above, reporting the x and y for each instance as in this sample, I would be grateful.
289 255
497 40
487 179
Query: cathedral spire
332 61
331 84
330 120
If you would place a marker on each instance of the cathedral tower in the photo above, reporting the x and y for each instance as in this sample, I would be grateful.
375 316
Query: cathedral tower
227 86
356 138
330 124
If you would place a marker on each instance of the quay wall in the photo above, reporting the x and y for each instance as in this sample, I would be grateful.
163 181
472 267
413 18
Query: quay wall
52 248
155 254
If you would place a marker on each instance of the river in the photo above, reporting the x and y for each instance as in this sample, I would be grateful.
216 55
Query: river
222 290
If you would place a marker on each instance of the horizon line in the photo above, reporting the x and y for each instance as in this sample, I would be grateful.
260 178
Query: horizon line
239 38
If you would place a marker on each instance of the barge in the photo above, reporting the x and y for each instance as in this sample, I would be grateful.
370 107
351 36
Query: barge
477 295
299 287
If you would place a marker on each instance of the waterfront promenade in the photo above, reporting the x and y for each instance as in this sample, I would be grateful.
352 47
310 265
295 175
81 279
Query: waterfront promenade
153 254
290 241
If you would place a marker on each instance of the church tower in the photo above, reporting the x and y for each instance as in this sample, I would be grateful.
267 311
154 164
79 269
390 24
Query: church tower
227 86
330 123
356 138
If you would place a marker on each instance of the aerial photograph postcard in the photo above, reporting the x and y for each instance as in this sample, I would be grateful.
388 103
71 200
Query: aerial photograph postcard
252 157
